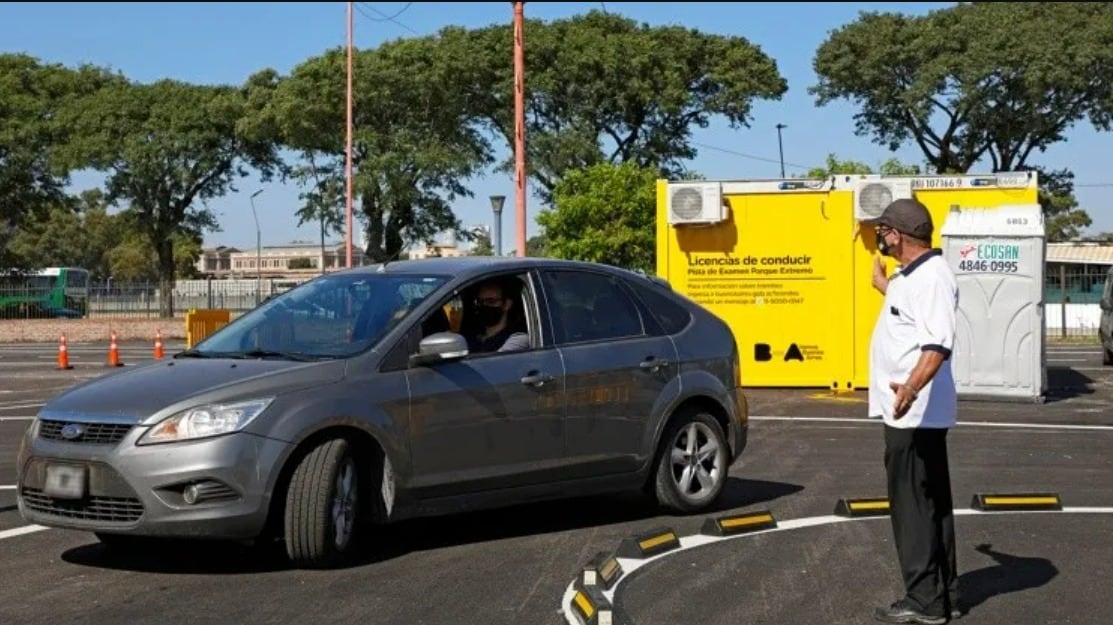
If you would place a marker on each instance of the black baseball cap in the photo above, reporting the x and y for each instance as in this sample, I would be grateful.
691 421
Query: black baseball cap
906 216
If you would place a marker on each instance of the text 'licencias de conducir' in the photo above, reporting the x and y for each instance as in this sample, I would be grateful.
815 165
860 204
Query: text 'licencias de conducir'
750 265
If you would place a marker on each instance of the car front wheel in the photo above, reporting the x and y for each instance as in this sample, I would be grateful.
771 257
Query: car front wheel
692 468
323 506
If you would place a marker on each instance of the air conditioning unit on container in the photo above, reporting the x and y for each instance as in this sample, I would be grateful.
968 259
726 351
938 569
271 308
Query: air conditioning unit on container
871 196
696 203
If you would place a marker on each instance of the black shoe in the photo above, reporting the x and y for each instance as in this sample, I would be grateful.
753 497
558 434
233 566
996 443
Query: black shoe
900 612
956 613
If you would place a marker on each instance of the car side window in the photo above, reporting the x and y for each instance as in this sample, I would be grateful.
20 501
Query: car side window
672 316
588 306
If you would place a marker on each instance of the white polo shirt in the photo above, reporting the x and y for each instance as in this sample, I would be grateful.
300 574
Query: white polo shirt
919 314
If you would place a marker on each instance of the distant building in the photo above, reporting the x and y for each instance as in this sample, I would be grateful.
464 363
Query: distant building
294 260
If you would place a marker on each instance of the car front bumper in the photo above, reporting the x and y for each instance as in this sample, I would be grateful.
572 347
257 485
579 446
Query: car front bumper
145 490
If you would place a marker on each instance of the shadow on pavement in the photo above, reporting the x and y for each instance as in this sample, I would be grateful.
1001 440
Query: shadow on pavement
416 535
1065 383
1010 574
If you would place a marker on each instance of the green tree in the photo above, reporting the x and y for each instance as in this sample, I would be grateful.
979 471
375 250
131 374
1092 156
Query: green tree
135 260
537 246
32 134
166 147
76 233
481 245
1063 220
323 197
981 79
606 214
414 146
835 166
602 88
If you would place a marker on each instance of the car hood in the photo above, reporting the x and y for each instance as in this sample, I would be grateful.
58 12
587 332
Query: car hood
139 393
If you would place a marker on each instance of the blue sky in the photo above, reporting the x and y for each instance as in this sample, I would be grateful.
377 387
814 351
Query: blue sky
224 42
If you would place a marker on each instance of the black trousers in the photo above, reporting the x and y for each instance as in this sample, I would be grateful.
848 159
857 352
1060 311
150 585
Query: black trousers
922 514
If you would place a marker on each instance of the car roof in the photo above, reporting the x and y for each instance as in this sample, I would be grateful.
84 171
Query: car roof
474 266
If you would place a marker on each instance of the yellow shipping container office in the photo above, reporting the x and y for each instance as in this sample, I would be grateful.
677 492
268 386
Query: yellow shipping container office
787 265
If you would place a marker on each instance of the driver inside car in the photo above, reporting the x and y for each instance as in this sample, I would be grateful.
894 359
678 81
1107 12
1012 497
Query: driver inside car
493 311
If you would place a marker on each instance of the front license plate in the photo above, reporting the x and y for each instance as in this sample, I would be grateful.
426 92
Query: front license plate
65 481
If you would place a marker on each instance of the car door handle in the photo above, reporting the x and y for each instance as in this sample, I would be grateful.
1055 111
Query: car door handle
653 364
536 378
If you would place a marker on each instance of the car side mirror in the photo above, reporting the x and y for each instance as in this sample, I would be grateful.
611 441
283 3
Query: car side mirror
439 347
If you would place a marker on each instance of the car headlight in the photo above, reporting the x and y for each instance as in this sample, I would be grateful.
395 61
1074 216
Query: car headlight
204 421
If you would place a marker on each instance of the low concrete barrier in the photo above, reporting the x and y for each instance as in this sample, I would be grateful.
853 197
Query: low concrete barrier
84 330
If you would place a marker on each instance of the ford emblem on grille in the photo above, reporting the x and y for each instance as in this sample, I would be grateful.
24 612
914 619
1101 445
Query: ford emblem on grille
71 431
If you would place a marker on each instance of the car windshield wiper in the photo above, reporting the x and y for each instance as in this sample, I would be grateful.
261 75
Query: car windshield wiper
270 353
192 353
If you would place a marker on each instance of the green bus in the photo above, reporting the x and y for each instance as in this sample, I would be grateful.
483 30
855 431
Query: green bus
48 293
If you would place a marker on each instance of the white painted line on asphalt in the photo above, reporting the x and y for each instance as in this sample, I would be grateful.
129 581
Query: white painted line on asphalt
2 419
992 424
20 406
1088 352
20 531
1053 360
7 487
689 542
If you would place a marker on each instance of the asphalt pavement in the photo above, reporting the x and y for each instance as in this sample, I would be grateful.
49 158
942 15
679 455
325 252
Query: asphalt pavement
807 449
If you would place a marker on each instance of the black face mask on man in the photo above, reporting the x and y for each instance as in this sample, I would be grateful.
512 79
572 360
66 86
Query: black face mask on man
883 245
489 315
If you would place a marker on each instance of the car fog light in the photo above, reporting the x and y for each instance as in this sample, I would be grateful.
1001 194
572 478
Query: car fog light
190 494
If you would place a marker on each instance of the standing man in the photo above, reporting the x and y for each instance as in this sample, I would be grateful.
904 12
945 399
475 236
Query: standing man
912 390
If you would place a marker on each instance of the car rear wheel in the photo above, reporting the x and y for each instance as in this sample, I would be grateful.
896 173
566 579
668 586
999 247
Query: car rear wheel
692 466
323 506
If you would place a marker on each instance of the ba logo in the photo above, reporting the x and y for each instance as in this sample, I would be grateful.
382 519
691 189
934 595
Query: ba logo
764 353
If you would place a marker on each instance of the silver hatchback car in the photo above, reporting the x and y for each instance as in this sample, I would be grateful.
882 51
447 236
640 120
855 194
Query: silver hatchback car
387 392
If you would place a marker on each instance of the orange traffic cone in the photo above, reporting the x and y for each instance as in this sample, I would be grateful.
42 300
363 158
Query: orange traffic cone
63 354
114 352
158 345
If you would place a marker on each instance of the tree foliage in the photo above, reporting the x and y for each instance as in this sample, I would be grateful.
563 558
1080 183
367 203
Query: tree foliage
33 97
981 79
80 232
602 88
481 245
1063 219
606 214
835 166
414 143
166 147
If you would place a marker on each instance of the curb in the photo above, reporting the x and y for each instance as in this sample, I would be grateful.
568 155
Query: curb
589 597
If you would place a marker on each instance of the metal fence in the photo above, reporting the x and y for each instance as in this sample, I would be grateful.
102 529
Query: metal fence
137 300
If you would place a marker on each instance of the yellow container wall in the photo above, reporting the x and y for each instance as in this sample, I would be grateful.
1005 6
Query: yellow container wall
772 272
791 273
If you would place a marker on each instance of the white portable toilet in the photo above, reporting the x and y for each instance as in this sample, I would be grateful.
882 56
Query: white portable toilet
997 256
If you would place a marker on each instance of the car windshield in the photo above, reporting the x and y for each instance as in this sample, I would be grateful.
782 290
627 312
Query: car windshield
329 317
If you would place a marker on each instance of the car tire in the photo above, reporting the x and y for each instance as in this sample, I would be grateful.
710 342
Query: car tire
323 506
678 484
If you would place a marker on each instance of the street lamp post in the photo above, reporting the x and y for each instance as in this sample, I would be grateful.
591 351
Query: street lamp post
496 206
258 250
781 148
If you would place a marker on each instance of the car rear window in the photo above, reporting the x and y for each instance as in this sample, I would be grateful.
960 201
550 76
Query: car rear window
672 316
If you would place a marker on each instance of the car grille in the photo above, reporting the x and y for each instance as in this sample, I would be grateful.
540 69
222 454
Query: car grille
93 433
105 509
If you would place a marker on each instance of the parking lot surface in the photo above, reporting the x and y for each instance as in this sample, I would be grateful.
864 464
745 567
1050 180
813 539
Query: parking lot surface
807 449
